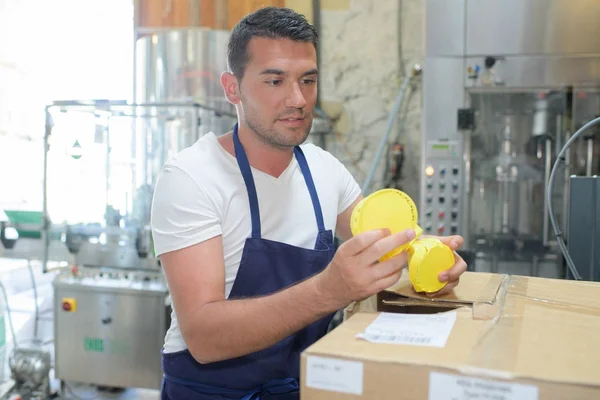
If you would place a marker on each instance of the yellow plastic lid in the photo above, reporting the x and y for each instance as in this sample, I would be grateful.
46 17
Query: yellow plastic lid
428 257
386 208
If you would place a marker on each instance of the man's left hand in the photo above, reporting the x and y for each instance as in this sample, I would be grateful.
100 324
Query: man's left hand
452 276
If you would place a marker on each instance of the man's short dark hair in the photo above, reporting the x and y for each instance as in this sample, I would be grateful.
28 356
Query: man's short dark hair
266 22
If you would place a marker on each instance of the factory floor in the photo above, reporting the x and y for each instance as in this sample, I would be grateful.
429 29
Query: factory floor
16 278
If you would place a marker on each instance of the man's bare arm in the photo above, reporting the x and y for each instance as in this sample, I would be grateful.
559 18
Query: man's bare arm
216 329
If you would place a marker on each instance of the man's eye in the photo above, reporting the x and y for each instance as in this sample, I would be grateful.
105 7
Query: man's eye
275 82
308 81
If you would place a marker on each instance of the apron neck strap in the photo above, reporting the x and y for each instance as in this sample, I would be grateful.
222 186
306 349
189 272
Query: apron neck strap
310 184
242 160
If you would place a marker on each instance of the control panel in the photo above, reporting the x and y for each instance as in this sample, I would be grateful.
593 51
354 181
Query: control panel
152 280
441 200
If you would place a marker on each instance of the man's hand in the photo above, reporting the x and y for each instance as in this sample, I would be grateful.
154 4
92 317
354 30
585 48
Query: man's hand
452 276
355 272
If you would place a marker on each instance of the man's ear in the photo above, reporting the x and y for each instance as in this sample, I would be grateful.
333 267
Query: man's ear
231 87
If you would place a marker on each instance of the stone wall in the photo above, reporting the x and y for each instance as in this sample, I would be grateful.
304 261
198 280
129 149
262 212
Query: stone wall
367 47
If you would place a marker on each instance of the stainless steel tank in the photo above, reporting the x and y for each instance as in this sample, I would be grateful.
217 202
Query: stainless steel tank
178 72
185 66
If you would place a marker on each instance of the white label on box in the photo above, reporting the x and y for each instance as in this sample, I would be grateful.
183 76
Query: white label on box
458 387
334 374
411 329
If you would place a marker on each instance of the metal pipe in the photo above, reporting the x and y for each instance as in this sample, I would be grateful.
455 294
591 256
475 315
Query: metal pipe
505 185
45 218
467 160
547 168
390 124
58 104
590 157
148 131
505 195
134 99
316 16
107 166
466 207
566 183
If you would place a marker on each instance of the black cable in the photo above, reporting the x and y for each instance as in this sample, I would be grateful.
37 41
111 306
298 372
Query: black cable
557 232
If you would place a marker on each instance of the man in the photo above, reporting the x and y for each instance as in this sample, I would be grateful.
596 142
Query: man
243 225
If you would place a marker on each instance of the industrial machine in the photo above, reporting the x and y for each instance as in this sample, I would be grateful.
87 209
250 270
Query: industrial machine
109 326
584 226
506 82
584 189
21 238
112 306
111 303
30 371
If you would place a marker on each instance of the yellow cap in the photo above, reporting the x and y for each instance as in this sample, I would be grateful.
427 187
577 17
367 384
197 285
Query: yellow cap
387 208
428 257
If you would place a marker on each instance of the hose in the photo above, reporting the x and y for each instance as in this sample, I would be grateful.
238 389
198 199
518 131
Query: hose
390 124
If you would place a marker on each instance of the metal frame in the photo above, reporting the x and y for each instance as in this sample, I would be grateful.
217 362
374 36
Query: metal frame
105 293
106 106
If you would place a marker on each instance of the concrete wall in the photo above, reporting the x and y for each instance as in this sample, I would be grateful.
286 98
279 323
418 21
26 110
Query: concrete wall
367 47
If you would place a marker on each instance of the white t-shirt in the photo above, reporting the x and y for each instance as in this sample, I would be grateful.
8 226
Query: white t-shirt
201 194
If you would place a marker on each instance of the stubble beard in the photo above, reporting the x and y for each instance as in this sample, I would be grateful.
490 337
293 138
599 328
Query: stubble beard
275 139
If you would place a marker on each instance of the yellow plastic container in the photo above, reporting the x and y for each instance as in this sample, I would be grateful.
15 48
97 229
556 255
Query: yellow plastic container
387 208
427 258
395 210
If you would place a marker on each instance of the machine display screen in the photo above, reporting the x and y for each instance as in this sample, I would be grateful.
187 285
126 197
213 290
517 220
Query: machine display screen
443 149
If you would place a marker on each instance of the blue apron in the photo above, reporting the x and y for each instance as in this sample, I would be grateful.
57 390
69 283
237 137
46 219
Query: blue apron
266 267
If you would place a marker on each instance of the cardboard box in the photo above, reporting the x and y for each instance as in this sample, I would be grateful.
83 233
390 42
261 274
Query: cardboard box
496 337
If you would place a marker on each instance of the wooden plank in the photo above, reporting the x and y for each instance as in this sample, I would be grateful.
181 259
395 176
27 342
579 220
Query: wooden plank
179 16
304 7
171 13
214 14
238 9
207 14
221 14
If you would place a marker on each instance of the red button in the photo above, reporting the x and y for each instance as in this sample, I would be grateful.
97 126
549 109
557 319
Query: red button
66 306
442 214
441 229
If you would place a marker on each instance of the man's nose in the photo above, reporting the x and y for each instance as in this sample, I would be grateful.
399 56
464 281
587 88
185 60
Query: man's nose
295 98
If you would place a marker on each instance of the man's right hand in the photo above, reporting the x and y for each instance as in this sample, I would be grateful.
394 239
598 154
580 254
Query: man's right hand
355 272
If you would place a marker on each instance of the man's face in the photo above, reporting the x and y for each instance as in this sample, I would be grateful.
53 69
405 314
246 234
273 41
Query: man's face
278 91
